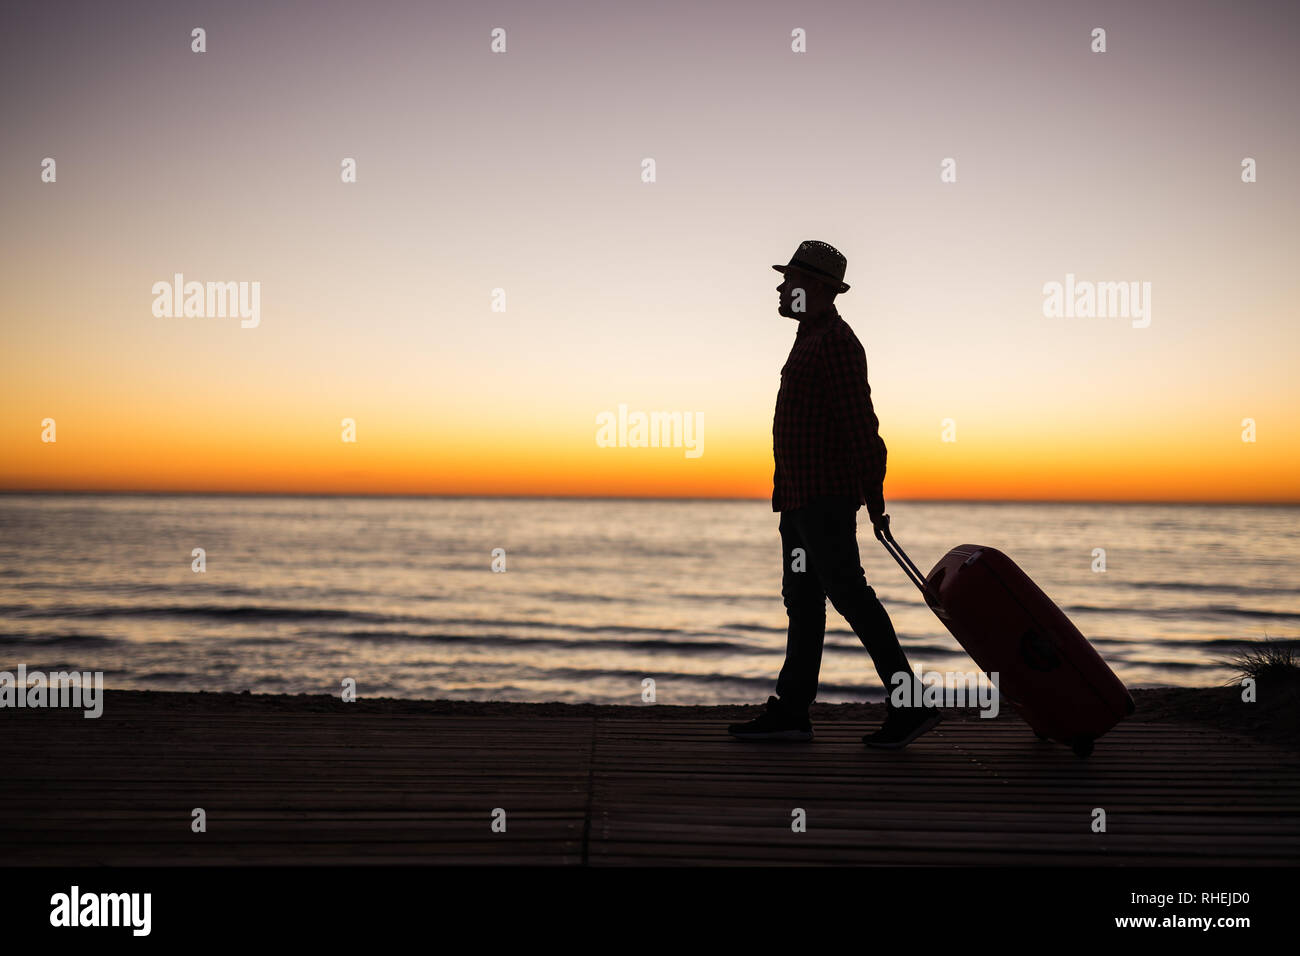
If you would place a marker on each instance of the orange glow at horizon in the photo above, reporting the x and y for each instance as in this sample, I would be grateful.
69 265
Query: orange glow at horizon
525 463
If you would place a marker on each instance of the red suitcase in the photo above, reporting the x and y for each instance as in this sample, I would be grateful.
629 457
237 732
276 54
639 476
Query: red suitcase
1047 670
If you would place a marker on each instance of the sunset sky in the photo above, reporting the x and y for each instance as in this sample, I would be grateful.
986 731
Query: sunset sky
522 171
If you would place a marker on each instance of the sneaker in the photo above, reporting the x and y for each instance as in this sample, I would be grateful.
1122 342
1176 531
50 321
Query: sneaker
775 723
903 726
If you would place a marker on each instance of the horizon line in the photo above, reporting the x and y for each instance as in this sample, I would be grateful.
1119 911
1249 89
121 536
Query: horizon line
581 497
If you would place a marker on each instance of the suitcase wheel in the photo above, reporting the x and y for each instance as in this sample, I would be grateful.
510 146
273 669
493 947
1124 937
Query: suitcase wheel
1082 745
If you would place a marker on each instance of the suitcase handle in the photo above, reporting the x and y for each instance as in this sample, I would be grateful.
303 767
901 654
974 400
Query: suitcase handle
886 537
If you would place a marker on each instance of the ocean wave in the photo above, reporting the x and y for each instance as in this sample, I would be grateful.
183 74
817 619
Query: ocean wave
235 612
509 640
1225 642
1199 586
57 640
1186 613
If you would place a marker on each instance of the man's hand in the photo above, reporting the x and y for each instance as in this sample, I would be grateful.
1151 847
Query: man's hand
879 520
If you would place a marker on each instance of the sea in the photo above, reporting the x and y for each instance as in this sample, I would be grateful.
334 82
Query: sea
572 600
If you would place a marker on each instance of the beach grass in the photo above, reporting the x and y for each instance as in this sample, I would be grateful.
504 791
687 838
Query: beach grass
1268 661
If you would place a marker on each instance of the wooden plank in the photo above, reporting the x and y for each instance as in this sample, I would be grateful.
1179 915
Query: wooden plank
329 787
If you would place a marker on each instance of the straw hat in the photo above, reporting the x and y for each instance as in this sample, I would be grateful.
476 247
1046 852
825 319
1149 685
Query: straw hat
820 259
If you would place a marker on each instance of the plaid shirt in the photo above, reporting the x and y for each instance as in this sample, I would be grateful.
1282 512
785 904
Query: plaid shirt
825 435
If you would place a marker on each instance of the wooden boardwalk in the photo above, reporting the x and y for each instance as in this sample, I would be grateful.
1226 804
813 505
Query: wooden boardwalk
339 787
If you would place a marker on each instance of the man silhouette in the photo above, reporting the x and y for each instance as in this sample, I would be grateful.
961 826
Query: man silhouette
830 460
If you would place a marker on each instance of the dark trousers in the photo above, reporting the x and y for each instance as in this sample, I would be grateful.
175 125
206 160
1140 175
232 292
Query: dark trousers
826 530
